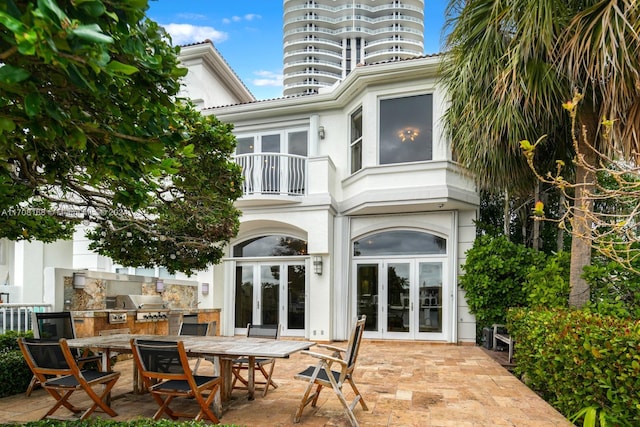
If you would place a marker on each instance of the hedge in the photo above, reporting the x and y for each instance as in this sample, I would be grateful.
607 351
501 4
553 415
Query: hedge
577 359
14 372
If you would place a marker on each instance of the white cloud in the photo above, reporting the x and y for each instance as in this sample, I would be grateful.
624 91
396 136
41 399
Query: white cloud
247 17
187 33
267 78
192 16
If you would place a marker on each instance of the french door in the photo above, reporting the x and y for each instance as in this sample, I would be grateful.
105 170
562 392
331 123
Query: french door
403 298
270 294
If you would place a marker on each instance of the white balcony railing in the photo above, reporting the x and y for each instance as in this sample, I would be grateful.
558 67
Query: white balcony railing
17 317
273 174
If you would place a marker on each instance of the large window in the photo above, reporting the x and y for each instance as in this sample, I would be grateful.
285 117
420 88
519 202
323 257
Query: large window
356 141
400 242
406 129
268 246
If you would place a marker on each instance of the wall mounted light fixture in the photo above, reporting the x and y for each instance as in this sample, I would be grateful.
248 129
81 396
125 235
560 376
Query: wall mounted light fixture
205 289
317 264
159 285
79 280
321 133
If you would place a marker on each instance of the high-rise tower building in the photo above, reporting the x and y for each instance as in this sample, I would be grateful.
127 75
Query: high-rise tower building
325 39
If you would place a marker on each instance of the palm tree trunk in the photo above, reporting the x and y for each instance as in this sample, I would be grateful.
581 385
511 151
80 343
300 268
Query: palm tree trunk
581 242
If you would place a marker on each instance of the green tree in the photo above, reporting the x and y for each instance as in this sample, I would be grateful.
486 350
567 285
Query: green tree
509 66
90 131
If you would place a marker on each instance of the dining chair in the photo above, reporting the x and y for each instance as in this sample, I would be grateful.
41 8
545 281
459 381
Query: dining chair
165 371
323 375
55 325
241 364
196 329
56 368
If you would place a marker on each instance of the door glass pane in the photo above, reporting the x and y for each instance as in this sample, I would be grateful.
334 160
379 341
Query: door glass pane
298 143
270 294
244 296
296 167
398 300
295 296
367 286
244 145
430 277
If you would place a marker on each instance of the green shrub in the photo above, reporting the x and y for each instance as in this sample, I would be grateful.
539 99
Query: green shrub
9 340
547 285
615 290
493 275
14 372
579 359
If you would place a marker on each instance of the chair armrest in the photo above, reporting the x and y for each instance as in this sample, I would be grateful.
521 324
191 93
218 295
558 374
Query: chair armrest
323 357
331 347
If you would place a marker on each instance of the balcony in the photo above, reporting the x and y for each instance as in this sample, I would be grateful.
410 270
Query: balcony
272 178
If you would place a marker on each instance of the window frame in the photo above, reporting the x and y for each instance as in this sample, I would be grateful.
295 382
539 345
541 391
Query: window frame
396 96
357 141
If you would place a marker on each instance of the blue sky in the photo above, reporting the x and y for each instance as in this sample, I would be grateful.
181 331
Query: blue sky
248 34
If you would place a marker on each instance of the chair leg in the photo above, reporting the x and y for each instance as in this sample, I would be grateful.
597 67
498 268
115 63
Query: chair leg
61 400
268 376
307 397
32 385
338 391
359 397
99 401
205 405
164 407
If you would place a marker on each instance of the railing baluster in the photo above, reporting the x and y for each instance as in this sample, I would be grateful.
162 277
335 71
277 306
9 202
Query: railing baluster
17 317
273 173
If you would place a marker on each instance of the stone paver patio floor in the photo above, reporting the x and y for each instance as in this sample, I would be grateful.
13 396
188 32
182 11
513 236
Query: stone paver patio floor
403 383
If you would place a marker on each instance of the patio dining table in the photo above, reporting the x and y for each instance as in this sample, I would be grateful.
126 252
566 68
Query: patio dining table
223 348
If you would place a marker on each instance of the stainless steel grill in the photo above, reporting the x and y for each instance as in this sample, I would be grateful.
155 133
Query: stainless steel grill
149 308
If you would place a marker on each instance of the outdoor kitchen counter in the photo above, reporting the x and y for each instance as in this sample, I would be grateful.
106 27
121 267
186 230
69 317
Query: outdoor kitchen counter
89 323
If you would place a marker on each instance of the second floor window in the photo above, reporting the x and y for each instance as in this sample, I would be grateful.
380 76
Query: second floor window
406 129
356 140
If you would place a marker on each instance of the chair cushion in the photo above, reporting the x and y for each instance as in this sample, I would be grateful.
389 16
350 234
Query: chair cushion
322 375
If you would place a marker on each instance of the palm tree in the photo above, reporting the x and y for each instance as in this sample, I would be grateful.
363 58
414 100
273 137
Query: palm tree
509 66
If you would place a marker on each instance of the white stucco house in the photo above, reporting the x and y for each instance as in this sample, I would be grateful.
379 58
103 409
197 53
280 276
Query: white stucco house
352 205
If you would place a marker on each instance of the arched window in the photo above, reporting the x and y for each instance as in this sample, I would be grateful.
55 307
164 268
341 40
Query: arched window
268 246
400 242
